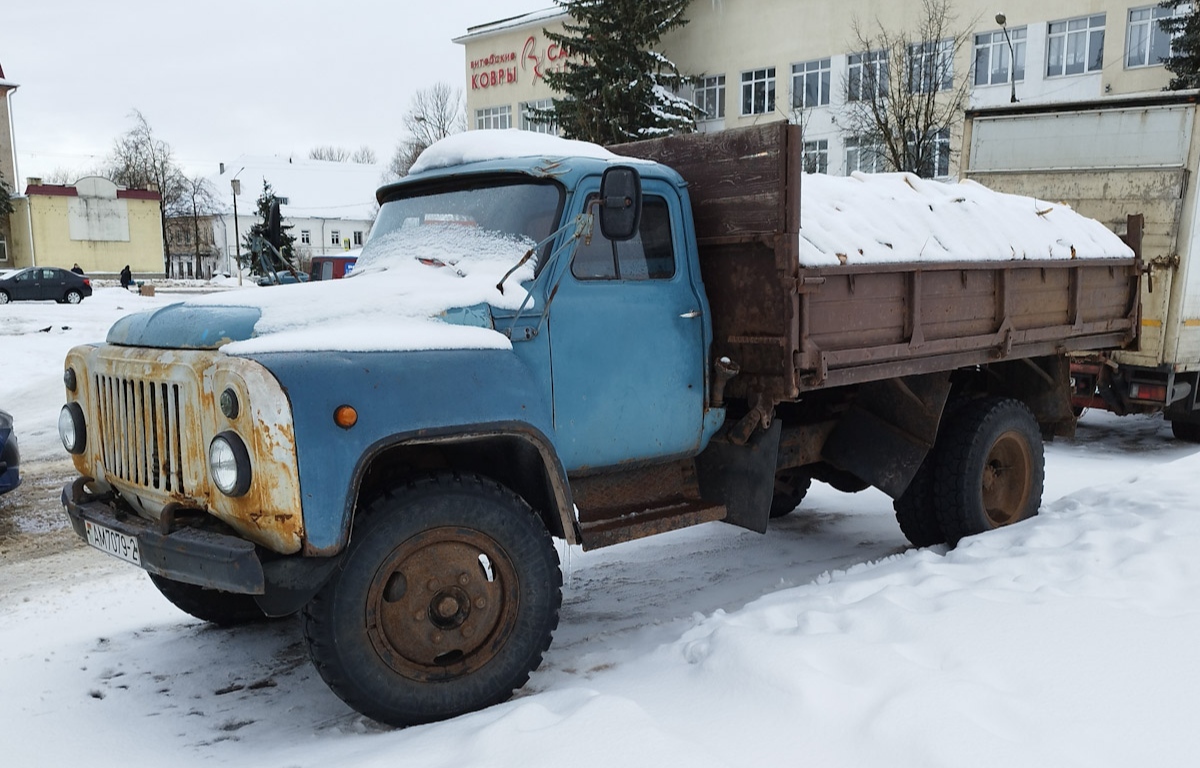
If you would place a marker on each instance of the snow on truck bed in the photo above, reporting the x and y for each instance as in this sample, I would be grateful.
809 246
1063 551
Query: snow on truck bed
863 218
899 217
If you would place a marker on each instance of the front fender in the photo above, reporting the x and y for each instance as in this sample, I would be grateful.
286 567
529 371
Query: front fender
398 396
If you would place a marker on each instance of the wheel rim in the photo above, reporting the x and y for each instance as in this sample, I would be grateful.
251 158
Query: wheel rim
3 298
1007 479
443 604
73 298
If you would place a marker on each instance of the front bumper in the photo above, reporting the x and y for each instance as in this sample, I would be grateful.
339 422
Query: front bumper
191 555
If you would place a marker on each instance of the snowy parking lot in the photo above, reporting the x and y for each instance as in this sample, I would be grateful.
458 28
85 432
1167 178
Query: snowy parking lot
1066 640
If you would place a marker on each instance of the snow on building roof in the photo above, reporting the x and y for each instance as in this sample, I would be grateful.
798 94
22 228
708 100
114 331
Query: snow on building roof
313 188
899 217
513 22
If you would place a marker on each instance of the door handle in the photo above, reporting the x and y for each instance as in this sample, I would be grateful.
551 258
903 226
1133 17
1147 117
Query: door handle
693 313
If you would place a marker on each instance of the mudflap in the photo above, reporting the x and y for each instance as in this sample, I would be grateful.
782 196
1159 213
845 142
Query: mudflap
742 477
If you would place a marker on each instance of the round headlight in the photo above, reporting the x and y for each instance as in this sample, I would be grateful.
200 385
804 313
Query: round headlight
69 379
229 464
229 404
71 428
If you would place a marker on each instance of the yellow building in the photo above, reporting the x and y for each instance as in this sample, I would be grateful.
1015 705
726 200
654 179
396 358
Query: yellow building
769 60
95 224
8 166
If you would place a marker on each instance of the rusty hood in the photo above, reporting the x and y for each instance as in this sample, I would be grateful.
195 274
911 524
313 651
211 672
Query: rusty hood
184 326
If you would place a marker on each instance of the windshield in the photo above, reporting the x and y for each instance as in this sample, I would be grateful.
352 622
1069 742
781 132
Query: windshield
524 211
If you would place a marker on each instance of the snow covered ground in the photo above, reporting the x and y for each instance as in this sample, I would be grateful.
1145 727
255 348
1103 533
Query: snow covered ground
1067 640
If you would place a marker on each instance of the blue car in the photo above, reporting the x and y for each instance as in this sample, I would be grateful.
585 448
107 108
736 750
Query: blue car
10 457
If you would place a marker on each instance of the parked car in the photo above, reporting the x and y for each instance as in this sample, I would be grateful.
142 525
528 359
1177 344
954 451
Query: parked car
285 278
10 457
44 284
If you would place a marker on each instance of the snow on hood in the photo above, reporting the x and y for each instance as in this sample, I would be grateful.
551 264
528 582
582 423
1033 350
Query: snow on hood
397 298
899 217
478 146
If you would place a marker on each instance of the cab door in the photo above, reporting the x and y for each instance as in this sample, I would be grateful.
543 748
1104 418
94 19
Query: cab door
627 343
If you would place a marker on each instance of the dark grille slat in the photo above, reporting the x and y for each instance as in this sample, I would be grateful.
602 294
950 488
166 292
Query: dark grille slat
141 430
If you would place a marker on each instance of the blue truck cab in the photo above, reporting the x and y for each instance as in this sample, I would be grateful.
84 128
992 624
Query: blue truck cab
274 481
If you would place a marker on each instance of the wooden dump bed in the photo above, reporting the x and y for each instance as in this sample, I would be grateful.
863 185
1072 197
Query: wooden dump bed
794 329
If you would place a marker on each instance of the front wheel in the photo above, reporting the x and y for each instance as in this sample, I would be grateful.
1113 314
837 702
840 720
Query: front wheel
989 469
446 602
225 609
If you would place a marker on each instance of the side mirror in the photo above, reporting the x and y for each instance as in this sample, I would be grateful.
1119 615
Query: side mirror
620 202
274 226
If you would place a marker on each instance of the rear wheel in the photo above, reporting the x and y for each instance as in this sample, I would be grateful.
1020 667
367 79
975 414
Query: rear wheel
3 297
914 509
791 486
989 468
446 602
1188 431
225 609
73 297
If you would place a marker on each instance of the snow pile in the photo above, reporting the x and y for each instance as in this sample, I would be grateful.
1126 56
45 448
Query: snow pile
899 217
401 287
1063 641
478 146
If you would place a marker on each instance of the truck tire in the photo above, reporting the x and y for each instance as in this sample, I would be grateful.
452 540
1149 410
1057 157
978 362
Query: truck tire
791 486
988 469
446 600
914 509
225 609
1187 431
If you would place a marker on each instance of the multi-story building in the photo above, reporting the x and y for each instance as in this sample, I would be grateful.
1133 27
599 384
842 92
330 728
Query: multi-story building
8 165
803 61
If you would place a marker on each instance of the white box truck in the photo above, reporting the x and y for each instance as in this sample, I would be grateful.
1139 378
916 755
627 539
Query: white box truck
1107 159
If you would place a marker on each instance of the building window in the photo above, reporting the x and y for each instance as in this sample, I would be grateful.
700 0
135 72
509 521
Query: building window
358 238
931 66
1075 46
710 97
493 118
863 155
992 65
527 112
305 237
758 91
3 250
335 237
1148 43
867 77
815 156
810 84
937 162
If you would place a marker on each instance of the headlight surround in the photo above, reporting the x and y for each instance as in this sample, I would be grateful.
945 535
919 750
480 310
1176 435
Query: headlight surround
229 464
71 428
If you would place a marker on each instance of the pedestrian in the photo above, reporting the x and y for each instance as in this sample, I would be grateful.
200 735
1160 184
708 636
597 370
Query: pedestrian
126 277
77 269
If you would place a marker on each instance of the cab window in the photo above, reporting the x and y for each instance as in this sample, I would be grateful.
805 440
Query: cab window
649 255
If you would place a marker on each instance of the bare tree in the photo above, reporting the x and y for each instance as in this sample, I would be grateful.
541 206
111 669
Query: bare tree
201 196
364 155
330 153
903 101
434 113
140 160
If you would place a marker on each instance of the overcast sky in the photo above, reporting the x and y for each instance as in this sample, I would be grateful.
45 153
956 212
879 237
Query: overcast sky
226 77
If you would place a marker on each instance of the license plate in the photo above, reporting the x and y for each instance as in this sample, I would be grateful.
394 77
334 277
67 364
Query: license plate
113 542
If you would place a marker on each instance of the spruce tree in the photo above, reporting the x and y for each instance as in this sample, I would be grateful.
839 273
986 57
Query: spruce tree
6 206
615 87
258 235
1184 28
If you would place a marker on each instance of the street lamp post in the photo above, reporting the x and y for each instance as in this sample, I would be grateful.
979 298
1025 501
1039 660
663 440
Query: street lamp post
1012 57
237 239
